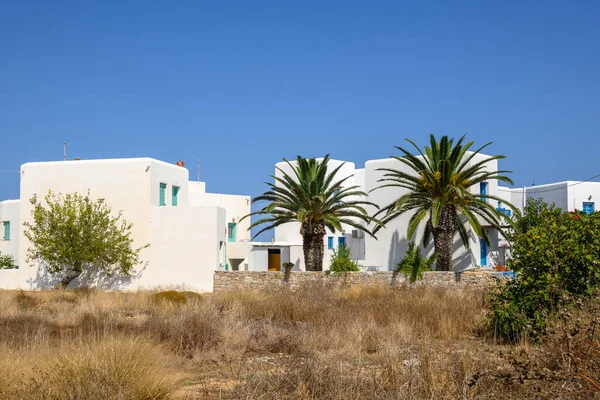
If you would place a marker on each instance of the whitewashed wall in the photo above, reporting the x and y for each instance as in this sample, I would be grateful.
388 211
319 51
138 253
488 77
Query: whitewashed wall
185 247
235 206
583 192
556 193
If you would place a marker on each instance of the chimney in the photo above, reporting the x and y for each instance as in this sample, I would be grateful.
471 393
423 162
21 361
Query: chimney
180 163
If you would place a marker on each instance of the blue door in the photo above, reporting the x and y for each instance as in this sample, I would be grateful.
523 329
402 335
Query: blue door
483 246
483 190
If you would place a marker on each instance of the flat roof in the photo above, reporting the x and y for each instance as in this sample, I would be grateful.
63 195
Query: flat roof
98 161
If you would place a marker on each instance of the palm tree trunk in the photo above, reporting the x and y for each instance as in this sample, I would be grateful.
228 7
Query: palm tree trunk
313 235
443 240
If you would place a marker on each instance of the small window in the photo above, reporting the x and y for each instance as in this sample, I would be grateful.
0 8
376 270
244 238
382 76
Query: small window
588 207
175 195
503 210
483 190
162 201
341 240
6 230
330 242
231 232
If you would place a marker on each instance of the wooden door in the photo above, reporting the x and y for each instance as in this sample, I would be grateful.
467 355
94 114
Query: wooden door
274 260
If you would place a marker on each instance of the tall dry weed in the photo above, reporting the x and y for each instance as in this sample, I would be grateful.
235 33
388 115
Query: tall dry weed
111 368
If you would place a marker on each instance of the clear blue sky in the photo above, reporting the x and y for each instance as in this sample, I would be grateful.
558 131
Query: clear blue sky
243 84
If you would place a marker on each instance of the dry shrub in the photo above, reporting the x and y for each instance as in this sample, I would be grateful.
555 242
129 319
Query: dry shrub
427 373
269 337
62 296
112 368
186 330
85 291
25 300
22 330
568 362
176 297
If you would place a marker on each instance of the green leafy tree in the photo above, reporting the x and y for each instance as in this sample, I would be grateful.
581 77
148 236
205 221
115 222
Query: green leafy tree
71 233
532 216
439 193
341 260
414 264
317 200
556 258
7 262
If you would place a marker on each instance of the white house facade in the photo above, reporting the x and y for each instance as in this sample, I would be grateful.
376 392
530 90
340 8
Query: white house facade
568 195
187 228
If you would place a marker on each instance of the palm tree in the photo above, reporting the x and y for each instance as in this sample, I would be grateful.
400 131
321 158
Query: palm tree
439 190
314 198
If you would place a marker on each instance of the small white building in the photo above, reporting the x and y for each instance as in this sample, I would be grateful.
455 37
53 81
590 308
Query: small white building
568 195
187 228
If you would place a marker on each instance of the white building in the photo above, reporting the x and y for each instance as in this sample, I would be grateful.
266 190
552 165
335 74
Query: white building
187 228
390 245
568 195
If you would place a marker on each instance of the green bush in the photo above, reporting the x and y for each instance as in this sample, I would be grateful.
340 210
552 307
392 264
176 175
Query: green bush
414 264
7 262
176 297
342 262
556 257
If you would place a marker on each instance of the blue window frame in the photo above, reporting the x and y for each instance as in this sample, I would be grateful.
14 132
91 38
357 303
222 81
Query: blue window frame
483 246
341 240
505 211
162 201
175 195
483 186
588 207
330 242
6 230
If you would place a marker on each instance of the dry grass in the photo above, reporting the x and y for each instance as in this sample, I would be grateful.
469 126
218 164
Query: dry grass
318 342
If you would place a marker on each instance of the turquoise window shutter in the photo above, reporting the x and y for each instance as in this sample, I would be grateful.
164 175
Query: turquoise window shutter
6 230
341 240
330 242
175 196
162 195
231 232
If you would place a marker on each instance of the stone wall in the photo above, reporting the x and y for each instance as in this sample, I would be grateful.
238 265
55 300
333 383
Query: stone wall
261 280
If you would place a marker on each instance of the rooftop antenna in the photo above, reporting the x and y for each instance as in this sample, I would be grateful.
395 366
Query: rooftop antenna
533 182
198 169
64 151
